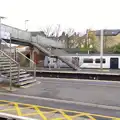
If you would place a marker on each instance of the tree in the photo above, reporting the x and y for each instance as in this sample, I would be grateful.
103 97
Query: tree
116 48
107 42
70 32
91 38
71 41
57 30
51 30
47 31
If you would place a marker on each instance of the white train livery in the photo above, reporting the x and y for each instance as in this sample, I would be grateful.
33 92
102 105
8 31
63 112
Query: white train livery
110 61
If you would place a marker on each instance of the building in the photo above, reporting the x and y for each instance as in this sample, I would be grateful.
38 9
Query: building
111 38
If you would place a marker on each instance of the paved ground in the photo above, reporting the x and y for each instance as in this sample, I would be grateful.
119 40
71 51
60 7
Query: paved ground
105 93
69 106
90 92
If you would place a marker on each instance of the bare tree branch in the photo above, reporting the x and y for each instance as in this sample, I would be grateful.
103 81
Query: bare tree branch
51 31
70 31
47 30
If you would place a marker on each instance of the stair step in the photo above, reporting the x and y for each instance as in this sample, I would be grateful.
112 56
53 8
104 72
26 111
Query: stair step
15 74
29 84
21 76
8 68
26 79
7 65
3 57
2 62
12 71
29 81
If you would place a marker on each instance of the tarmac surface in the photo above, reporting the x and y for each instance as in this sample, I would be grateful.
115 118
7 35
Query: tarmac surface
80 95
106 93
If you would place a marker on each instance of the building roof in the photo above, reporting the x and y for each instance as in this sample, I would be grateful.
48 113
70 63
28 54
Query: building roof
35 33
108 32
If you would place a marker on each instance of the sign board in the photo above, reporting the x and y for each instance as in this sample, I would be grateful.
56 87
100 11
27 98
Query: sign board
5 35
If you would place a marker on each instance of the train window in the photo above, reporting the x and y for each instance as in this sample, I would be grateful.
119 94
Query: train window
88 60
98 61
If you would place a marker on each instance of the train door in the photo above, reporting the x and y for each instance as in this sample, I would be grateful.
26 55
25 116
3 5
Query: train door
114 63
75 61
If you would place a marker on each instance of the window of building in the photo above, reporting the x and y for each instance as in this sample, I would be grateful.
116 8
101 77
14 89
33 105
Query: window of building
86 60
98 61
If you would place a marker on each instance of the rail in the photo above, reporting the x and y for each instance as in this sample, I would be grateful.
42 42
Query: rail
30 61
47 113
9 57
7 47
4 116
17 51
14 62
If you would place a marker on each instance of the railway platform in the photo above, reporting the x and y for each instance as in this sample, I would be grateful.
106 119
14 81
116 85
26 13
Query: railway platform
36 112
104 74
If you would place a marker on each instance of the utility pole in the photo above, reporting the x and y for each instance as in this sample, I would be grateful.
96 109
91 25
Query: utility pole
10 66
101 50
1 17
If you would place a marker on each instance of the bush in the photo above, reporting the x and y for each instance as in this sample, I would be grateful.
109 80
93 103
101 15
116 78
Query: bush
91 50
116 48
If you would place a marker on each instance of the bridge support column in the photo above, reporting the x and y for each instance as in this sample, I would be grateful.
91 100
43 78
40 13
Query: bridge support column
32 57
34 54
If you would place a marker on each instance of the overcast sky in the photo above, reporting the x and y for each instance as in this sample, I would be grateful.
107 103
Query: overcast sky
77 14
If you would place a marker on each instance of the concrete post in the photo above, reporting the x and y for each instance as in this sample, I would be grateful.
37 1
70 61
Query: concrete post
101 50
31 57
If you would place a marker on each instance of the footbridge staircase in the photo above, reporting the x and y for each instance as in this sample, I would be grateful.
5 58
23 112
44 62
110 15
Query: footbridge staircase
41 43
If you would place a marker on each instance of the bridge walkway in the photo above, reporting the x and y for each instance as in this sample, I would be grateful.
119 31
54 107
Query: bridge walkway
41 43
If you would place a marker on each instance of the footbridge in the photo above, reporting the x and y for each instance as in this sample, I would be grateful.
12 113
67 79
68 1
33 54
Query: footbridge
41 43
22 37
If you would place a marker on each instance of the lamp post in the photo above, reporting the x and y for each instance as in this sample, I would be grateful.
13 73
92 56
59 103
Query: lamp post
26 28
10 66
1 17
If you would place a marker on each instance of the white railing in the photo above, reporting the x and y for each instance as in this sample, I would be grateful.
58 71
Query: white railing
24 35
16 33
14 117
18 66
34 64
47 42
15 52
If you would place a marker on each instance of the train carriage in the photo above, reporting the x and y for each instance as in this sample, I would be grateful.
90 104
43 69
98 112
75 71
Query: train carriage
110 61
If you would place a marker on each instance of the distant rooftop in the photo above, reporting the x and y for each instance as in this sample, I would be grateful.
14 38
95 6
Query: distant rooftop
108 32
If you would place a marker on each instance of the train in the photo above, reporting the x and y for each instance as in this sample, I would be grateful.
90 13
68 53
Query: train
110 61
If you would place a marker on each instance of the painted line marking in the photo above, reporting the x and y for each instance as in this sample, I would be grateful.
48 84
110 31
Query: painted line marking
95 83
89 84
63 101
55 110
79 80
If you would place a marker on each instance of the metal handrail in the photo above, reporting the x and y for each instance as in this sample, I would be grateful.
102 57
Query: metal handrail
5 43
14 62
7 46
30 61
23 56
9 57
